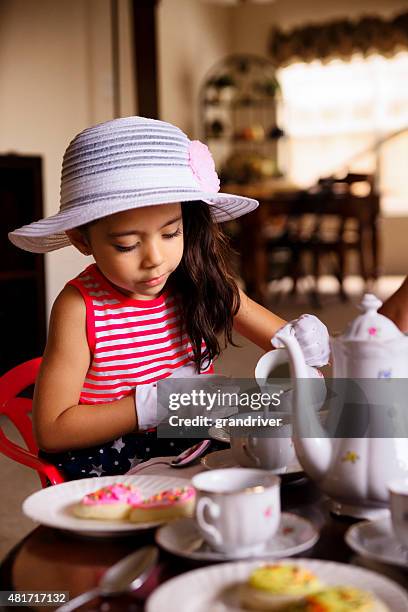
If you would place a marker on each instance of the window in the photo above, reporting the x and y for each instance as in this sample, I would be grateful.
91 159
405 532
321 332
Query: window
336 113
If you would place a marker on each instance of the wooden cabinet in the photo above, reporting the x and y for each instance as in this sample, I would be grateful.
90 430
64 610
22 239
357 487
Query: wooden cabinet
22 288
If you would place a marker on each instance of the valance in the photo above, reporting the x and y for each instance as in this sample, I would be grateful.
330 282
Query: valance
340 39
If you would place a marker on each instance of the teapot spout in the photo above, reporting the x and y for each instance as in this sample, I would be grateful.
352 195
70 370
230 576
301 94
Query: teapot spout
312 444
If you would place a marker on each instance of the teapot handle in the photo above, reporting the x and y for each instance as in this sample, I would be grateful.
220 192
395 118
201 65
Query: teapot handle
271 360
268 362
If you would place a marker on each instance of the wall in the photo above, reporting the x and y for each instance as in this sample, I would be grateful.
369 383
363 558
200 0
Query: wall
192 36
55 80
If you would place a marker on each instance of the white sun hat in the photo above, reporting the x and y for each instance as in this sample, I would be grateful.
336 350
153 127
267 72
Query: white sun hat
124 164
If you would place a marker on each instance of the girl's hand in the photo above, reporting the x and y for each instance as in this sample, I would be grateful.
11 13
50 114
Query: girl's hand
149 413
312 336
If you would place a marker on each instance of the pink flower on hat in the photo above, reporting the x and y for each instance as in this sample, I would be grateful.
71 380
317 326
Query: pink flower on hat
203 167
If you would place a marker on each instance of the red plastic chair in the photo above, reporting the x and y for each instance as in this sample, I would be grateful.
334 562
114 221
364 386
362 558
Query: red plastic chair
16 409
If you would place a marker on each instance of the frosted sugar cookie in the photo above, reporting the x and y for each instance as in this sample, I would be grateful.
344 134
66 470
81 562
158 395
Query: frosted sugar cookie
276 587
109 503
340 599
164 506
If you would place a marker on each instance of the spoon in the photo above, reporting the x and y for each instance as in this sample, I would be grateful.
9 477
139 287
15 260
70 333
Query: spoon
127 575
190 454
183 459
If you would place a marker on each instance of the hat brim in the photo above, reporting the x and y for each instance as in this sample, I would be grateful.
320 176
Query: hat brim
48 234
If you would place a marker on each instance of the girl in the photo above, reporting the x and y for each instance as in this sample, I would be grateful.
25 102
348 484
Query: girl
143 200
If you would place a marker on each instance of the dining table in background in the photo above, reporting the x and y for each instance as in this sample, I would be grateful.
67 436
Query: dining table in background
53 560
352 201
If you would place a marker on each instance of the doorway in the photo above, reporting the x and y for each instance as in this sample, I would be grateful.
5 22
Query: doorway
22 286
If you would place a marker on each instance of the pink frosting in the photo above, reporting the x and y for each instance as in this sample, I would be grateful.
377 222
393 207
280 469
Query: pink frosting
171 497
113 494
203 167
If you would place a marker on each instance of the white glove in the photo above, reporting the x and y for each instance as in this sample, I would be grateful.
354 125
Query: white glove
150 412
147 408
312 336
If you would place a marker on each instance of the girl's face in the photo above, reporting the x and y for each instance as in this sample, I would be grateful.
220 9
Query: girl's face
137 250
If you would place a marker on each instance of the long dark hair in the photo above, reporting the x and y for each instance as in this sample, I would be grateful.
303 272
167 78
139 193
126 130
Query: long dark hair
208 292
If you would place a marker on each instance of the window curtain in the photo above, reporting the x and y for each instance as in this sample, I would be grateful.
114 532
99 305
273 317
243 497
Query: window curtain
345 103
340 39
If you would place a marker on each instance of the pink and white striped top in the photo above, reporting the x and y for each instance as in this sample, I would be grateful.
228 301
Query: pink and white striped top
131 341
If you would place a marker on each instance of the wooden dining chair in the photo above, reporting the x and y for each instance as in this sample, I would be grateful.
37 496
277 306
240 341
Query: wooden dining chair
347 222
17 408
323 226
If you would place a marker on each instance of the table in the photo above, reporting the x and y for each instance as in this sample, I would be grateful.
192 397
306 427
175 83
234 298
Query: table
279 199
52 560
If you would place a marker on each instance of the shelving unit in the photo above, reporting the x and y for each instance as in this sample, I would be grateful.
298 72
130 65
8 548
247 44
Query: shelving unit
239 113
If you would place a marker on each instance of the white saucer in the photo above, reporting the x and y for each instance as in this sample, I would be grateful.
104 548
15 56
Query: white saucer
182 538
224 459
376 540
361 512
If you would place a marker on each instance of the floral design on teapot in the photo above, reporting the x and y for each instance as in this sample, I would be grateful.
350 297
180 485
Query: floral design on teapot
374 332
384 373
351 456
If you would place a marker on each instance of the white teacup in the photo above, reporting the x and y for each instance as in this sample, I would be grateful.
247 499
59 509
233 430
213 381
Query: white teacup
399 508
266 448
237 509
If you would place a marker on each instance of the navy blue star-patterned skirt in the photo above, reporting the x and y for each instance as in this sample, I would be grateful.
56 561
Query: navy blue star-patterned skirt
117 457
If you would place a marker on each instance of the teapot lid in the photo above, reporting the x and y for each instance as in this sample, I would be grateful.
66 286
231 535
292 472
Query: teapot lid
371 325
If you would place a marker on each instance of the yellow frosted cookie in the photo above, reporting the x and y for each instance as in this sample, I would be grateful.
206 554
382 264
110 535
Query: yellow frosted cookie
340 599
276 586
164 506
109 503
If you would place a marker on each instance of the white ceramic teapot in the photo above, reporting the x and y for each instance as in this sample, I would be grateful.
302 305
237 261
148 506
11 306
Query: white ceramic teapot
354 471
371 347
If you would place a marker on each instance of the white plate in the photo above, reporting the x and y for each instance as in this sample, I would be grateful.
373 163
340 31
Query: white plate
213 589
183 538
53 506
224 459
376 540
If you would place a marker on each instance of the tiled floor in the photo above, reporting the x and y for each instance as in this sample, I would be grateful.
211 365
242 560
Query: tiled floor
17 482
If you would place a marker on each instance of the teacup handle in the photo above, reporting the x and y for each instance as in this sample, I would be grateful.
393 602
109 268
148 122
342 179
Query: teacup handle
214 512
